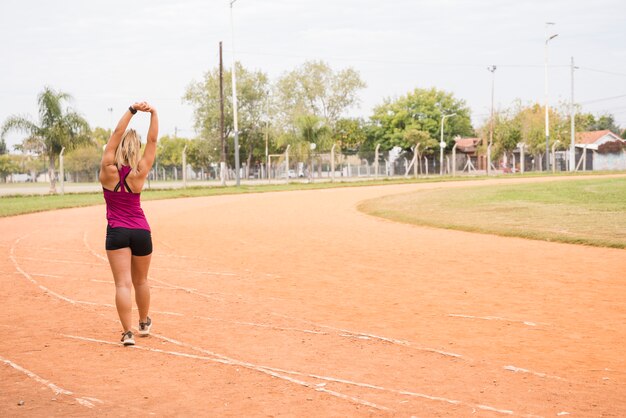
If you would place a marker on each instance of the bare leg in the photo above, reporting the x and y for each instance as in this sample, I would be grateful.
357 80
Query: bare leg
120 261
139 269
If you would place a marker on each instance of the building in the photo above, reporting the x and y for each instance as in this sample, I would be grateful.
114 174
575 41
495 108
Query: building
600 150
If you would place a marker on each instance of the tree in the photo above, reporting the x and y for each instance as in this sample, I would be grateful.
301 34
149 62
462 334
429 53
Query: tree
7 166
201 154
350 134
309 129
591 123
3 147
419 110
84 162
252 88
315 89
170 151
57 128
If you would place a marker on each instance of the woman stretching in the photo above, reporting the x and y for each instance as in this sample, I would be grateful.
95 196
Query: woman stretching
123 172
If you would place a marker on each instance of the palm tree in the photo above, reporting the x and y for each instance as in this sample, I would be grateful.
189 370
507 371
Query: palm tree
57 128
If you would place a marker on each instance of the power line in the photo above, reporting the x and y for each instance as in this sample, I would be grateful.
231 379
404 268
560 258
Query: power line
604 99
602 71
440 64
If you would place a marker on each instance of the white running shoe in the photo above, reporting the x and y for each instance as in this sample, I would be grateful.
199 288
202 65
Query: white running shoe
127 338
144 327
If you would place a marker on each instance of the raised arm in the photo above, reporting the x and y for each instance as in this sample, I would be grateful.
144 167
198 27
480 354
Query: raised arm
108 158
149 153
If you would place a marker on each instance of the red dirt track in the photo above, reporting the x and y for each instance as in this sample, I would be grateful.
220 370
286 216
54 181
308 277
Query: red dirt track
296 304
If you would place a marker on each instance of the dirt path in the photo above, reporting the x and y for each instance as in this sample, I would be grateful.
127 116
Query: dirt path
295 304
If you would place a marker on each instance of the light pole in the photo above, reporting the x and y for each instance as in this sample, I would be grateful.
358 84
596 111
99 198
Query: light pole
442 144
493 82
548 39
234 78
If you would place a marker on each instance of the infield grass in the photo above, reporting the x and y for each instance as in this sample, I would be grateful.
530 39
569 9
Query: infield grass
585 211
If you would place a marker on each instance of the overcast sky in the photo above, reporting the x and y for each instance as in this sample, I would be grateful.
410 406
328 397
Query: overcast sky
107 54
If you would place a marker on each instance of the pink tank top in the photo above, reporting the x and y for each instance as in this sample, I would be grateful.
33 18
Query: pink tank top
124 206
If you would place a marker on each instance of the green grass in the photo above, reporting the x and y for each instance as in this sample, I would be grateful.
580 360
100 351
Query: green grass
584 211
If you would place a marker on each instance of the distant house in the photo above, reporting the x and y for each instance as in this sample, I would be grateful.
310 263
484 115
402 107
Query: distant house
466 150
600 150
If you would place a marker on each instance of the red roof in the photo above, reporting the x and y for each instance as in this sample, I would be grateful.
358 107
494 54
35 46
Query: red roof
592 137
466 142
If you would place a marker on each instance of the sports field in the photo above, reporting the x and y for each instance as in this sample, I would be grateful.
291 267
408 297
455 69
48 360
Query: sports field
298 304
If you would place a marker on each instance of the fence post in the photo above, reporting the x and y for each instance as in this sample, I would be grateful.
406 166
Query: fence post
332 163
554 156
426 164
287 163
185 167
376 161
61 171
416 158
454 159
522 158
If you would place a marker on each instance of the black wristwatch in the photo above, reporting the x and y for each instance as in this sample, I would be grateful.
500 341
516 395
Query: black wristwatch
132 110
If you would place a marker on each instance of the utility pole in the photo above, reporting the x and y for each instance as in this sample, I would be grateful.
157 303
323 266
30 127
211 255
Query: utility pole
493 82
548 39
572 113
223 156
234 78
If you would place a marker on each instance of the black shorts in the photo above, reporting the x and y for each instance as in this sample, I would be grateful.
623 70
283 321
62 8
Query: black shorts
139 240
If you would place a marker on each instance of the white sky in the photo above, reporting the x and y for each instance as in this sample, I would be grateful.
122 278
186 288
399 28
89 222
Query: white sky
111 53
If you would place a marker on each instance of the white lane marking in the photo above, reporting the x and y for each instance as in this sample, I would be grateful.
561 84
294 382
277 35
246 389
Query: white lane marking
520 370
498 318
46 275
152 286
48 260
489 408
232 362
254 324
212 273
364 335
56 389
66 299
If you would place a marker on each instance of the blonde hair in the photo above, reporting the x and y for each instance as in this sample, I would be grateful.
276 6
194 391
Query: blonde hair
128 151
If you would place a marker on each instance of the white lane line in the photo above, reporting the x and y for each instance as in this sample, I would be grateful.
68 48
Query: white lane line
365 336
152 286
254 324
269 370
46 275
232 362
48 260
277 372
498 318
186 289
211 273
56 389
64 298
539 374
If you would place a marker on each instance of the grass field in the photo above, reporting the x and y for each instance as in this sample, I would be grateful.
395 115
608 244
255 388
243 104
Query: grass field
585 211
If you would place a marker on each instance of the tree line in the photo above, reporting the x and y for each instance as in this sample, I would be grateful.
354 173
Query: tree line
307 105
